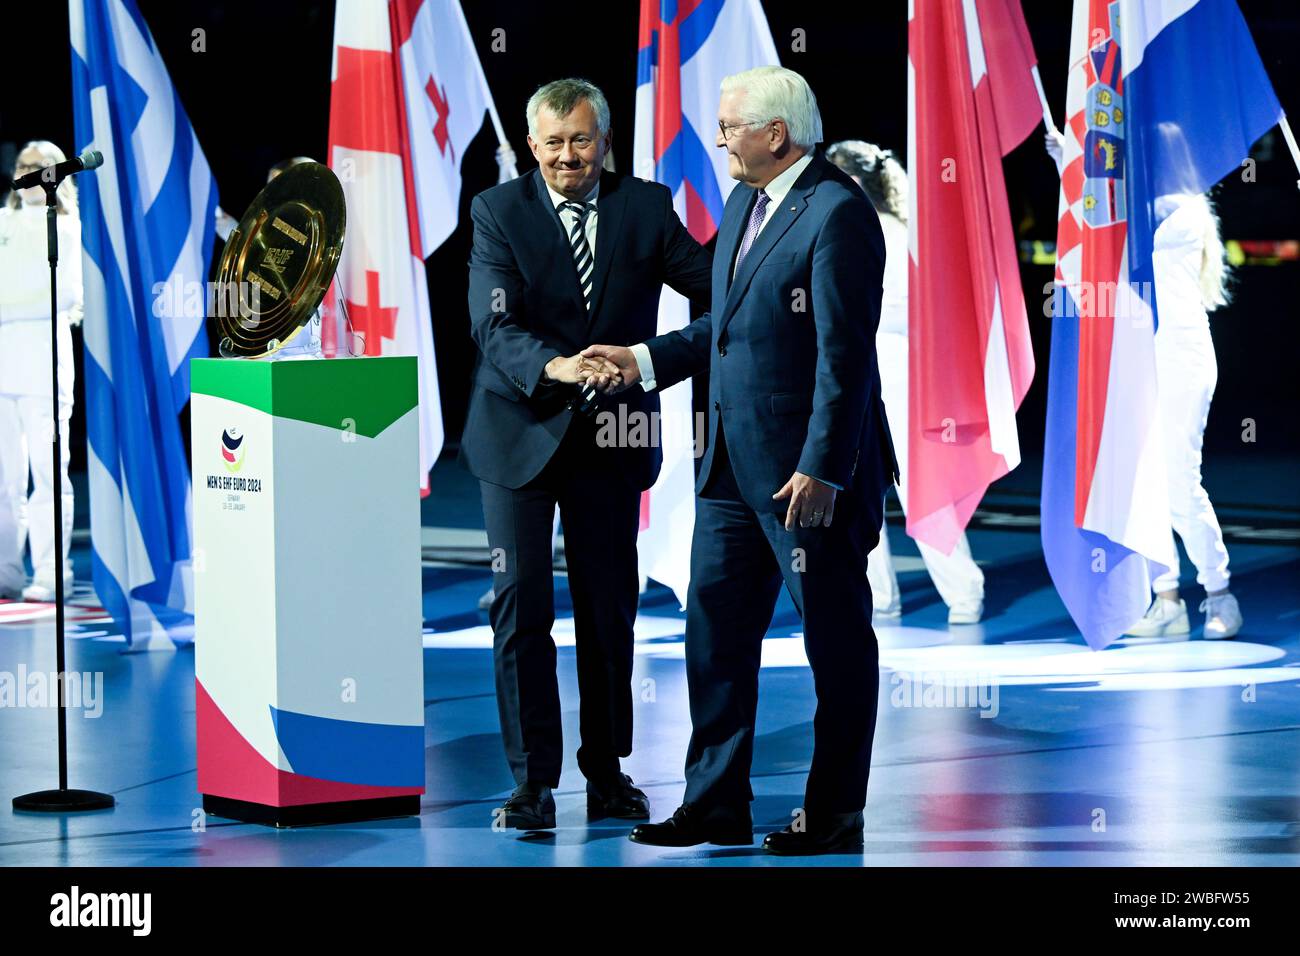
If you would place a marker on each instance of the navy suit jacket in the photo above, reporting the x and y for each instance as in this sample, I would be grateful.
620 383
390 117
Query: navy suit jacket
526 307
791 344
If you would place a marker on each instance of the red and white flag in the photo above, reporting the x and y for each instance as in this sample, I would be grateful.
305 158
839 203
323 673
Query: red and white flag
971 99
407 96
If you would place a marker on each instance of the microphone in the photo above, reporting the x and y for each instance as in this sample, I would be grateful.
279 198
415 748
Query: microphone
53 175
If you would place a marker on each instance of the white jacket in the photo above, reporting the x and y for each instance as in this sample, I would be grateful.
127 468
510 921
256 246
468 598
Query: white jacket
1179 247
25 301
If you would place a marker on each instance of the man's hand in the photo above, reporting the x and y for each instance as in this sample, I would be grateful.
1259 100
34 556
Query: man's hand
621 370
812 502
576 369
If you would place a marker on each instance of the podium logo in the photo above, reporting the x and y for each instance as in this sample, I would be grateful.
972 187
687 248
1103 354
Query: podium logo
232 449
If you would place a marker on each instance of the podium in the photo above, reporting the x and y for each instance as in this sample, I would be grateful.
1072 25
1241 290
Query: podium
309 680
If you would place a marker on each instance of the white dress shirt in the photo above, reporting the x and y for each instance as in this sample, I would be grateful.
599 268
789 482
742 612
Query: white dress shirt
569 217
776 191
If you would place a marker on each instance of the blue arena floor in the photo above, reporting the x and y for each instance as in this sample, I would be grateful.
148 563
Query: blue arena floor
1182 753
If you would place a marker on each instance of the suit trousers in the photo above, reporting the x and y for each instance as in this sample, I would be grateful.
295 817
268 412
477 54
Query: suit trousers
600 513
739 558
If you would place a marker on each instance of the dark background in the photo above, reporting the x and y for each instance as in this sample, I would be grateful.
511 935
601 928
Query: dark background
275 55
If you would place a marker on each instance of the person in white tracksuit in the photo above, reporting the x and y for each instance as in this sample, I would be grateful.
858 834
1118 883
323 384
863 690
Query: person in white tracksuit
1190 281
956 576
26 415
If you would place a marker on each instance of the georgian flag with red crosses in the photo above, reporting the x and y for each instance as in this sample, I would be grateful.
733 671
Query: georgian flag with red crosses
407 96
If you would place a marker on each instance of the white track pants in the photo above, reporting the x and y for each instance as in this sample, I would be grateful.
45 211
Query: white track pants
1187 374
25 436
956 576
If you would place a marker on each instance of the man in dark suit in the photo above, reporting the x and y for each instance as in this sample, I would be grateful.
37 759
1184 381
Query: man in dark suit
797 437
562 257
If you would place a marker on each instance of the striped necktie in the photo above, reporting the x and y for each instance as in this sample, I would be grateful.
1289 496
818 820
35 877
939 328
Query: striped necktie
583 260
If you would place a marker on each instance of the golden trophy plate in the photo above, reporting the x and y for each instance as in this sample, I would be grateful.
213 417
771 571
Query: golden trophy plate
279 261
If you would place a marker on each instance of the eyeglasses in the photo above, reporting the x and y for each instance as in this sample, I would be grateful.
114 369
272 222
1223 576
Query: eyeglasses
725 129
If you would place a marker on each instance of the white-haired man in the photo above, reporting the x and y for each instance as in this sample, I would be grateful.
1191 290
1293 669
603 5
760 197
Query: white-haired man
797 437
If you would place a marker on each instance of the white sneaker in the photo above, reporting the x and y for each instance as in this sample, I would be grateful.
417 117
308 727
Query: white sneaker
1164 618
38 593
1222 617
968 612
887 615
485 600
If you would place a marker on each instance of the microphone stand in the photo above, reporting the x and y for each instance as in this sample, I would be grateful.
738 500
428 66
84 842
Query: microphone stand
61 800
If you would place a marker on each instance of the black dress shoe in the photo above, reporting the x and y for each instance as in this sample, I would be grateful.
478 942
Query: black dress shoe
530 807
691 826
616 797
828 833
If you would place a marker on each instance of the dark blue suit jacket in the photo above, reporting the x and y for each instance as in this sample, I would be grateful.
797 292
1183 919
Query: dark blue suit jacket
790 344
526 307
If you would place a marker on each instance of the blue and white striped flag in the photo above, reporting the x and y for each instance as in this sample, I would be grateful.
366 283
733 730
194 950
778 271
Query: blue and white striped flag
147 231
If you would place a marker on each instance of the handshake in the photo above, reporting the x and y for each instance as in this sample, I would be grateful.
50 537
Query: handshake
609 369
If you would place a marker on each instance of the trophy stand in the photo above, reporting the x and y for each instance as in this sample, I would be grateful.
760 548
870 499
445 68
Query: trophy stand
62 800
309 695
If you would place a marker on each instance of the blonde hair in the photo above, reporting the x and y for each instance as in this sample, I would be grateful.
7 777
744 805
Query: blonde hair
1216 274
65 194
883 178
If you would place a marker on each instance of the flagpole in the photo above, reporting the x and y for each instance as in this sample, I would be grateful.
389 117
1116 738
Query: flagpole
1291 143
511 172
1042 98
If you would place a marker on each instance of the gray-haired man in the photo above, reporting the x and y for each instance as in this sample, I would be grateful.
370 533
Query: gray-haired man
565 256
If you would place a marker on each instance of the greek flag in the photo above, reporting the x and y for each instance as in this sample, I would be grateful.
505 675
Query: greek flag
147 231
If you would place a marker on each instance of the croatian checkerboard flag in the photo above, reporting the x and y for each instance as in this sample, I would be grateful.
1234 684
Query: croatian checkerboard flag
1164 97
408 95
684 49
147 229
972 99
